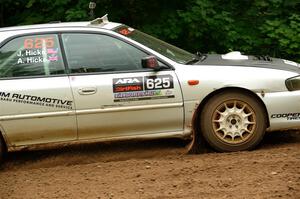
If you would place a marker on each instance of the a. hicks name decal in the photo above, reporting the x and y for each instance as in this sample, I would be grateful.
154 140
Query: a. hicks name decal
143 88
35 100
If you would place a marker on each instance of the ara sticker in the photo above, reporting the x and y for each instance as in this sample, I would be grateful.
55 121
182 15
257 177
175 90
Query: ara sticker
128 84
143 88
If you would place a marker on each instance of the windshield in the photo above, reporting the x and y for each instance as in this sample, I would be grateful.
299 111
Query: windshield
172 52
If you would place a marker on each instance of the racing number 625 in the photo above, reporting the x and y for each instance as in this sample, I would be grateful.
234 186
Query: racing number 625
48 42
158 83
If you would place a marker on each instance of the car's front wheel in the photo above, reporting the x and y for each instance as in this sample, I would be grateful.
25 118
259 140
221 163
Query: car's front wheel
233 121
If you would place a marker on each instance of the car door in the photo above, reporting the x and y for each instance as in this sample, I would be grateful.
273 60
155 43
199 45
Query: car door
36 102
114 95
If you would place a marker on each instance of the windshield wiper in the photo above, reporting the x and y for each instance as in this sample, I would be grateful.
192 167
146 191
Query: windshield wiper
201 56
192 61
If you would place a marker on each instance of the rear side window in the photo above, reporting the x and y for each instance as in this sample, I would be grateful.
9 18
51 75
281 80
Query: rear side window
37 55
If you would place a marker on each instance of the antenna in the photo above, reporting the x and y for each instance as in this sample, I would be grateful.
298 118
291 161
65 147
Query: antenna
92 6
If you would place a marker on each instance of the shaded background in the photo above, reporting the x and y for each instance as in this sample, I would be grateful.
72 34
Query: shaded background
258 27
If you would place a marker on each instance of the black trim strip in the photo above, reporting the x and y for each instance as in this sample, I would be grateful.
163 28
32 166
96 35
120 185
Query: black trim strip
63 54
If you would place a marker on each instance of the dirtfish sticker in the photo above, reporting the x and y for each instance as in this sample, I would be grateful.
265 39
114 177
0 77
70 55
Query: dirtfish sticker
35 100
143 88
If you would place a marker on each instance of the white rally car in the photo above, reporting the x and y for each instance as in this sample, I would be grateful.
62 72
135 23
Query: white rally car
98 81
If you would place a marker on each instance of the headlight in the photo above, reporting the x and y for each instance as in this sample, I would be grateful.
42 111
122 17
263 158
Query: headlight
293 84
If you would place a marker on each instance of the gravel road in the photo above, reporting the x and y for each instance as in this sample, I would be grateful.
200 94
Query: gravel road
157 169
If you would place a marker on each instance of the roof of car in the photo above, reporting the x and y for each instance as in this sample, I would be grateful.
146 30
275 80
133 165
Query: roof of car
109 26
96 23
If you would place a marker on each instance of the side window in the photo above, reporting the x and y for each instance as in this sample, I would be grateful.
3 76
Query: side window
88 53
37 55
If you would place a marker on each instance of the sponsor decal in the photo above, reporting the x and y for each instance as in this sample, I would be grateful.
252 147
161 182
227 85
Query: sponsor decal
143 88
128 84
287 116
35 100
126 31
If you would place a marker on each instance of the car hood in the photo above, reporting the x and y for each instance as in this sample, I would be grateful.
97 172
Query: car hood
250 61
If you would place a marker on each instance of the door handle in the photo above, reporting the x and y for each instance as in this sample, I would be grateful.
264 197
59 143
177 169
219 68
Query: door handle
87 91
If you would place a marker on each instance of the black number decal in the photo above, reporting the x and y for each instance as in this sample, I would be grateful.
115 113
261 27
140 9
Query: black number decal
159 82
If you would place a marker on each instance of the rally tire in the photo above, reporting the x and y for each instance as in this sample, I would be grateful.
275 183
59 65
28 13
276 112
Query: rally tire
2 148
233 121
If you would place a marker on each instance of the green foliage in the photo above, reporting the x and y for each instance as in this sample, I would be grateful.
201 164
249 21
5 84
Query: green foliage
269 27
254 27
283 35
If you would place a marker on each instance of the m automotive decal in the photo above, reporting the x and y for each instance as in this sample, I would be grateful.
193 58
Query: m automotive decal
35 100
143 88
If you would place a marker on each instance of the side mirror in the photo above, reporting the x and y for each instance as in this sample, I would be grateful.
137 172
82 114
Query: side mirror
150 62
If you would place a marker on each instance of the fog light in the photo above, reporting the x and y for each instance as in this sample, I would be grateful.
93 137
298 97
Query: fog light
293 84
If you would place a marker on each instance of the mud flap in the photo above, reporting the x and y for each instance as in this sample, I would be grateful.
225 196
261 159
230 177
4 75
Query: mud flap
198 144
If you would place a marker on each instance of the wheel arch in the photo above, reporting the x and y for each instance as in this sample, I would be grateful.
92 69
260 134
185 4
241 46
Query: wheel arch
197 113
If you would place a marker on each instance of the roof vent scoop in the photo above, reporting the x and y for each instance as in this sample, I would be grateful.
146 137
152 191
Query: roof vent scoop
101 20
263 58
235 55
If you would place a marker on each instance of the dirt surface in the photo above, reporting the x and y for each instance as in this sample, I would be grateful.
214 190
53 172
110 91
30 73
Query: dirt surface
155 169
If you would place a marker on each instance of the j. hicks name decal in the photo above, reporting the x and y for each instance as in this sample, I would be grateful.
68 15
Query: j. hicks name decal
35 100
143 88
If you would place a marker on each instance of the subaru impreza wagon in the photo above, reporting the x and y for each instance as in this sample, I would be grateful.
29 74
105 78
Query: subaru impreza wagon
99 80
